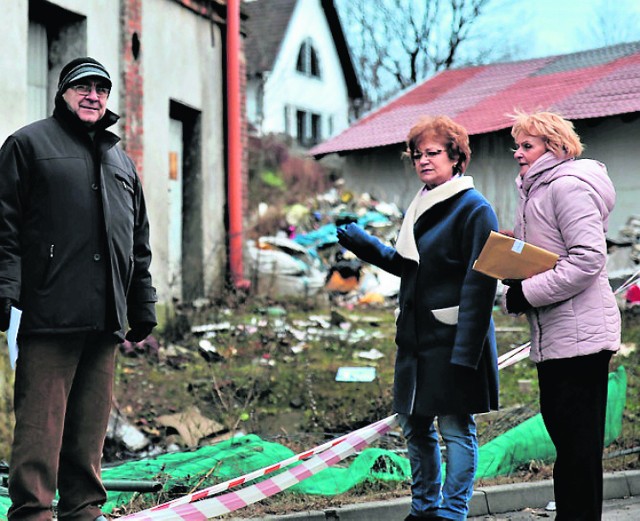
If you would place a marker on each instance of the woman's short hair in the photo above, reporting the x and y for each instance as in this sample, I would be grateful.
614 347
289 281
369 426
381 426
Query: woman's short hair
442 128
557 132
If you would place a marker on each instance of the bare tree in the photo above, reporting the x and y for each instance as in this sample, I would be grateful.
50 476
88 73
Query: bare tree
397 43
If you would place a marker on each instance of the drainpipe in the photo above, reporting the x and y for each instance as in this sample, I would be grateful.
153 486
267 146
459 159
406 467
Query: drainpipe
234 182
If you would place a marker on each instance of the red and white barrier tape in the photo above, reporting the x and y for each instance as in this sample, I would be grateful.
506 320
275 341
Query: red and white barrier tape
195 507
513 356
220 487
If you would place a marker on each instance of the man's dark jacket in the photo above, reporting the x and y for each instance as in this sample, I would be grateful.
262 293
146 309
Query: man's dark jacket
74 233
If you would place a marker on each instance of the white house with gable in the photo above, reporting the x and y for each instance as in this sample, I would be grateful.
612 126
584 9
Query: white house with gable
300 78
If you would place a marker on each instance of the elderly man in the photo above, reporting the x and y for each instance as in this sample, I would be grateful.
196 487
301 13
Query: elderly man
74 256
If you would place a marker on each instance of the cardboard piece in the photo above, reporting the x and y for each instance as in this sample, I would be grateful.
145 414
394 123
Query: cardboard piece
504 257
191 425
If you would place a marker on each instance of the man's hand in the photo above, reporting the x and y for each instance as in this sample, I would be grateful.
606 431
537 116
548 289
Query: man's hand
139 332
5 312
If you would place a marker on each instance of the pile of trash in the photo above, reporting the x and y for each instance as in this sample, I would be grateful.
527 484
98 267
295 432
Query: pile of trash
305 259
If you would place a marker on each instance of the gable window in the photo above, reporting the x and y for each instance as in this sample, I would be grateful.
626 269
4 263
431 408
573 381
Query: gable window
308 60
308 128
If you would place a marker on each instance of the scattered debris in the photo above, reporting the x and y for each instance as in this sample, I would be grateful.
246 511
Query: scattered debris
120 429
209 352
372 354
282 267
356 374
190 425
626 349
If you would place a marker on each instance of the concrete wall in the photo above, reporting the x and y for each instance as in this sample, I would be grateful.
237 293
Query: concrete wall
180 63
13 66
102 43
326 95
612 141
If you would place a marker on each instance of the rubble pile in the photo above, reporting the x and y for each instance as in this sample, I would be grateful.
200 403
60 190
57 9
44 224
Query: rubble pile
303 258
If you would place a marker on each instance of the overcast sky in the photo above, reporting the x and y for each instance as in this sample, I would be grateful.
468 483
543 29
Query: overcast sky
522 29
535 28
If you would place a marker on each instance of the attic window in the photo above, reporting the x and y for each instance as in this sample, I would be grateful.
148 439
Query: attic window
308 60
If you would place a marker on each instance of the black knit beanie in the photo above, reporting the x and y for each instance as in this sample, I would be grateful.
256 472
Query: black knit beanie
81 68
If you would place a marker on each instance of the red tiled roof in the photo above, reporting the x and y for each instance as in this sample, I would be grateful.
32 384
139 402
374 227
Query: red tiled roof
589 84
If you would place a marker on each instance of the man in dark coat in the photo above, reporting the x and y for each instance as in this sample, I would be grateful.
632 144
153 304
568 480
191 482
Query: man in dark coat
74 256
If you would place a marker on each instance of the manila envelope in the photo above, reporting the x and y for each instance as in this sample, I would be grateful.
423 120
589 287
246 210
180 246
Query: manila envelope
504 257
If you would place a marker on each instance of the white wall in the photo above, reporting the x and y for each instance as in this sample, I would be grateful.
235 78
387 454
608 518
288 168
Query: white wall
181 63
103 23
615 142
326 95
13 66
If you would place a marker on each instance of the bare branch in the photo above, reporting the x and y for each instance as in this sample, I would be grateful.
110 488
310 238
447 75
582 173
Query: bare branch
401 42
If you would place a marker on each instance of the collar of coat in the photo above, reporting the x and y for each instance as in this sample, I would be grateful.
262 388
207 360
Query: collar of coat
406 243
538 171
62 113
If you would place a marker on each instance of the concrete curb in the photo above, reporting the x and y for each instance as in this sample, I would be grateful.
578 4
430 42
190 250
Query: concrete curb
485 501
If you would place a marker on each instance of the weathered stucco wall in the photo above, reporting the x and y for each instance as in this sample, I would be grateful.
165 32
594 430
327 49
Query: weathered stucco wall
182 62
178 63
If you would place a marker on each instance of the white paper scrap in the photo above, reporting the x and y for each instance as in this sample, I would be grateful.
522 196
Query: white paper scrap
12 335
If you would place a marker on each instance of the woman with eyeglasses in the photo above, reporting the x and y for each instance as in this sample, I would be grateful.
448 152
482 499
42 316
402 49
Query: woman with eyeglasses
564 207
446 361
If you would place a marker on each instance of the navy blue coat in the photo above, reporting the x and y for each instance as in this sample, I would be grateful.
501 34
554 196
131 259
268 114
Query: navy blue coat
442 367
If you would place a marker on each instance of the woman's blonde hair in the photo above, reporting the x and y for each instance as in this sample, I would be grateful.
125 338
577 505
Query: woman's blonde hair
442 128
557 132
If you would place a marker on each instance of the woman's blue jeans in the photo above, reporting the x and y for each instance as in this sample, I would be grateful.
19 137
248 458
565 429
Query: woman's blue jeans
429 496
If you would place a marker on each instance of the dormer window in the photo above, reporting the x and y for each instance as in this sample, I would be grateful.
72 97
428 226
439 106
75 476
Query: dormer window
308 60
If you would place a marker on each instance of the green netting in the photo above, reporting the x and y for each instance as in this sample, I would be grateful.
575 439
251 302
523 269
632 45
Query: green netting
501 456
530 440
242 455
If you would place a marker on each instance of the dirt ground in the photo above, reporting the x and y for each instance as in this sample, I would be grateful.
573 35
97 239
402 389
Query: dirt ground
271 370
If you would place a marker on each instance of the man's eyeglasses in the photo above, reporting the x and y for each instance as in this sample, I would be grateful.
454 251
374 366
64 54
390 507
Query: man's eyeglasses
416 155
84 89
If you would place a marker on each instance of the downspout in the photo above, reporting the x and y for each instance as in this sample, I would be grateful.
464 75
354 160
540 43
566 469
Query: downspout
234 184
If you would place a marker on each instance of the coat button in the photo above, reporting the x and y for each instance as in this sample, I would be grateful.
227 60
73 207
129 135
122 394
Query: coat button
94 186
96 257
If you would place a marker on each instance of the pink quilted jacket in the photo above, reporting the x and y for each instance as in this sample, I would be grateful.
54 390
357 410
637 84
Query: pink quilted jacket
564 207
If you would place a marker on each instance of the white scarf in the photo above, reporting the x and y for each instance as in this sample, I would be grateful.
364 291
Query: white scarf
406 243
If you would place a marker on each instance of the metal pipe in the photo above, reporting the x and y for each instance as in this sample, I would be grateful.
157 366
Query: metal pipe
127 485
234 185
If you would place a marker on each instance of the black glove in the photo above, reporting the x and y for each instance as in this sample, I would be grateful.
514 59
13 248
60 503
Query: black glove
139 332
343 236
352 237
5 312
515 300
